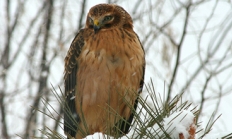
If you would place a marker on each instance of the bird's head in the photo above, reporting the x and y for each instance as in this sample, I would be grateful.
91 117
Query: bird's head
108 16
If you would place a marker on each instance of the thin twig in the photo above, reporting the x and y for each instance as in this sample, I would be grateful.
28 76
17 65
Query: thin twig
179 52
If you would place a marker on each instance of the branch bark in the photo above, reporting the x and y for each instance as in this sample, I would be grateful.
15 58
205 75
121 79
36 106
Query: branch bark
42 89
179 52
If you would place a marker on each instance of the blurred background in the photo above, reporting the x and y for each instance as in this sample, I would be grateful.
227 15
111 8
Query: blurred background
188 46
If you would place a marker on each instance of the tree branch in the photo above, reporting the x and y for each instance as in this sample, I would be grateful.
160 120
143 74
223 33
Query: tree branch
82 16
42 89
178 53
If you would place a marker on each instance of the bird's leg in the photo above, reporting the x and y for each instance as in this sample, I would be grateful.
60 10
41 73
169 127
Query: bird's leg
78 136
81 133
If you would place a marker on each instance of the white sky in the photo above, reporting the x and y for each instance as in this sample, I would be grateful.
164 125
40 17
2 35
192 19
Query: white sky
159 74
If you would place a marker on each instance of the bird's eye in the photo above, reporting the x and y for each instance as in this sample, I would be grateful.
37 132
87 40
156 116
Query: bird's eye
108 18
90 20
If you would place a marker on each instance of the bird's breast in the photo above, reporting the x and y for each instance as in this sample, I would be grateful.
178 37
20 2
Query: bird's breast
108 67
108 57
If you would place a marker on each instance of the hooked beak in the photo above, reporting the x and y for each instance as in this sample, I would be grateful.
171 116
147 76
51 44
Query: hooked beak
96 26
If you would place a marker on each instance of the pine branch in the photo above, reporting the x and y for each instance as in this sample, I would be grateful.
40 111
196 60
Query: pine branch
154 118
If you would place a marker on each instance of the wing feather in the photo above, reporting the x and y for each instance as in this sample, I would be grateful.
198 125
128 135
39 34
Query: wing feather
126 123
71 118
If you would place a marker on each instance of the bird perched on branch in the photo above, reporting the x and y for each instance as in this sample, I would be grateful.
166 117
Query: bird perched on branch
104 73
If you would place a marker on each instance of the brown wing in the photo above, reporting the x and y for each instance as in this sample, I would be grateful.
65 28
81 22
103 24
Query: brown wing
71 118
125 124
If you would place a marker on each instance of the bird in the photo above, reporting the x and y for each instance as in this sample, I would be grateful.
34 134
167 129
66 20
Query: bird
103 74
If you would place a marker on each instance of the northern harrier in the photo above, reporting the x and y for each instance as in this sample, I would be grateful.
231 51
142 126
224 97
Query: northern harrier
104 73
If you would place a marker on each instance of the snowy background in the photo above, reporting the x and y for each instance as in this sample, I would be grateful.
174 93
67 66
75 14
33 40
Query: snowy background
188 48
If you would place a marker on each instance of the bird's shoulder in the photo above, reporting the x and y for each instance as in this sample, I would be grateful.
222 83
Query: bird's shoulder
75 49
71 64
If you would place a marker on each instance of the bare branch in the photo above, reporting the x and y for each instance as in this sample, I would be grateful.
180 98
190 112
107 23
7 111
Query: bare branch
179 52
82 15
203 95
42 89
27 33
223 33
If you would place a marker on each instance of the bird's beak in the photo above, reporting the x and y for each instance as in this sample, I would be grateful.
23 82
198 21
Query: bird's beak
96 26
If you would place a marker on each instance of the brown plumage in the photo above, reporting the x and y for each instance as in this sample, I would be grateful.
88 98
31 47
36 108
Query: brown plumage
104 72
